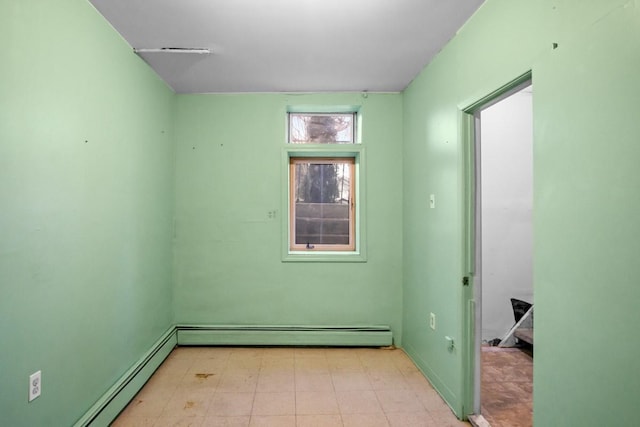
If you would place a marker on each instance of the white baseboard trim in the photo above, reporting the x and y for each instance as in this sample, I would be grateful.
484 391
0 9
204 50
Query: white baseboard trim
107 408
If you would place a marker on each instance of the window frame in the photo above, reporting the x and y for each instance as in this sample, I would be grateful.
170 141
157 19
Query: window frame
357 153
351 204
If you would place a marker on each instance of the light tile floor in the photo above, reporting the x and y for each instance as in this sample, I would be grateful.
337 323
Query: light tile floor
305 387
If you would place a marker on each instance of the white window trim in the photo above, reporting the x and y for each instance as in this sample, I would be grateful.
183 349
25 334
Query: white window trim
351 204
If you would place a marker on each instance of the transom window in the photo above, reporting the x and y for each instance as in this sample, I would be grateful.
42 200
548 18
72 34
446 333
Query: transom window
322 128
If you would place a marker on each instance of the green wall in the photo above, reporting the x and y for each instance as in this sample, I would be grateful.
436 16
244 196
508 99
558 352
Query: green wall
86 192
228 266
88 151
586 200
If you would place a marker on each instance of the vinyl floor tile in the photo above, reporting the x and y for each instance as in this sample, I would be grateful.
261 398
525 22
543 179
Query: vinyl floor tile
304 387
507 387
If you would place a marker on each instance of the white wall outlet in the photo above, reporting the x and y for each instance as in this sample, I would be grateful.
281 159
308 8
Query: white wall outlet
35 385
432 321
432 201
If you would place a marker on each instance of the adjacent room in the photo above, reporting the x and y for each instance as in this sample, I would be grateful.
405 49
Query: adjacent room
287 185
504 262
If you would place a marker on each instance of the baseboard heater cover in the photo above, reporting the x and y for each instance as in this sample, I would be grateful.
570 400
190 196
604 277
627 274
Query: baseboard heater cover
281 335
114 400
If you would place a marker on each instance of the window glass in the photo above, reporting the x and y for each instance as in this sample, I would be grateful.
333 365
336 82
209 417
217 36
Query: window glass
322 203
321 128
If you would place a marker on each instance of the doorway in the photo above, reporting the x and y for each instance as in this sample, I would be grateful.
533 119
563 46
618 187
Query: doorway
500 234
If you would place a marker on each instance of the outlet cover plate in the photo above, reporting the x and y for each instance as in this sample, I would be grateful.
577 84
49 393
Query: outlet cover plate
35 385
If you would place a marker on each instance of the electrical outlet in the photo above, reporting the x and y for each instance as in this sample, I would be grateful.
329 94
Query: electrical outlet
432 321
35 385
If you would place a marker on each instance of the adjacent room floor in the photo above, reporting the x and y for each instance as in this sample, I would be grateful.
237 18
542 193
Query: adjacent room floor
507 387
324 387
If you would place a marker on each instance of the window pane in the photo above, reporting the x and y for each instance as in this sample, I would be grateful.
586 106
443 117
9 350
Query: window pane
323 215
321 128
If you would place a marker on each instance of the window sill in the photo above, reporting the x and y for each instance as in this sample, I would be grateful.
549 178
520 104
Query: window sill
303 256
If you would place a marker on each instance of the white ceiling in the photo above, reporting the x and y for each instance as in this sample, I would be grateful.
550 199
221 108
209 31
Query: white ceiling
288 45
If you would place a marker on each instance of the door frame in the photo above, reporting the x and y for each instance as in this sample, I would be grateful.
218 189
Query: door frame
472 258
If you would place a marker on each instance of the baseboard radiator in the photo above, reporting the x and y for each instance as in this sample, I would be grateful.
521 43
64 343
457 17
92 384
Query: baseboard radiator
278 335
114 400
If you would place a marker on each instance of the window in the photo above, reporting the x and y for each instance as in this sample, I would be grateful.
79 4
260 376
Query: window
322 204
319 128
323 165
